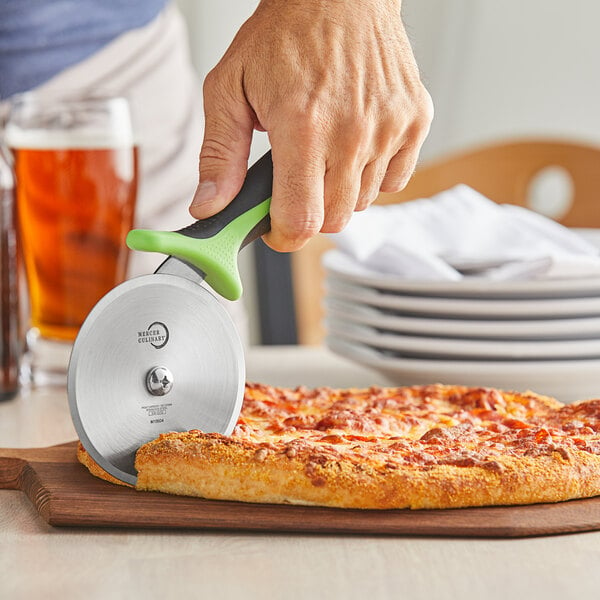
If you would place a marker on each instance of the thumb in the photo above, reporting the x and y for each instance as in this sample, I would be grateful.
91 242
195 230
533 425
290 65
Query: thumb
224 155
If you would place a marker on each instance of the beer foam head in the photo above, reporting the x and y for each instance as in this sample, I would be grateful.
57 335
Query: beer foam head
49 139
39 122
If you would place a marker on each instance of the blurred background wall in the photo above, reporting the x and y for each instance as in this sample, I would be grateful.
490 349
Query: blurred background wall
506 69
495 70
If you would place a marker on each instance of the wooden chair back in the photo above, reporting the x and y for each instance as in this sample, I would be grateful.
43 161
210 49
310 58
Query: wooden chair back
505 172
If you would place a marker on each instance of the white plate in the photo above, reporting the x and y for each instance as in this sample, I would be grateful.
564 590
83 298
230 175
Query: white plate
347 269
408 346
567 380
362 314
466 307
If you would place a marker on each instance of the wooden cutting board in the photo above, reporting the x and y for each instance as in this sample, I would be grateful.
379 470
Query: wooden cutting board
65 494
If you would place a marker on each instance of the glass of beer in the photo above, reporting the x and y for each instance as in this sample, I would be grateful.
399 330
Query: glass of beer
76 172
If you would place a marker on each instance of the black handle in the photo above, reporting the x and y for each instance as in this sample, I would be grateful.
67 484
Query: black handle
257 188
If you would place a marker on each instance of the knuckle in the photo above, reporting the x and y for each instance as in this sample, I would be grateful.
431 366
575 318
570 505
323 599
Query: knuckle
391 185
295 221
396 183
211 78
298 107
423 114
301 226
306 152
334 223
391 123
220 86
339 208
215 149
427 109
408 124
289 110
366 199
356 141
363 204
312 222
309 139
212 82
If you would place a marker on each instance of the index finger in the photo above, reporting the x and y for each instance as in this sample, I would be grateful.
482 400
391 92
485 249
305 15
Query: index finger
297 204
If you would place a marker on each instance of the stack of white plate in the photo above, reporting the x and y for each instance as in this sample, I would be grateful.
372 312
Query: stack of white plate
540 335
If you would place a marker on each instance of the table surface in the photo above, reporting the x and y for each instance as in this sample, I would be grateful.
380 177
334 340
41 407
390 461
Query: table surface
37 560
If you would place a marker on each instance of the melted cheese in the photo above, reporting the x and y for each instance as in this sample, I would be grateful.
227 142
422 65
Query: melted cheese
419 426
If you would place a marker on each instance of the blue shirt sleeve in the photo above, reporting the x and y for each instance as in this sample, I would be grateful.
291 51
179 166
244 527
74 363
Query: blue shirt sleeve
40 38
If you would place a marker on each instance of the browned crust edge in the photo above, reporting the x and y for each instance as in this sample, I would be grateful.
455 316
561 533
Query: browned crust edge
94 468
226 469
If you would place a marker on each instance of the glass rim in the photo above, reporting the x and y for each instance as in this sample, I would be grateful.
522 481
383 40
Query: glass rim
36 97
44 121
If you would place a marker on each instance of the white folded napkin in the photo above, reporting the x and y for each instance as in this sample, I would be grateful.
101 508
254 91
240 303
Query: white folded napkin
460 233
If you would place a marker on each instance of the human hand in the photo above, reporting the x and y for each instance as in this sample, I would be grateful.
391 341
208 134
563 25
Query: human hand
336 87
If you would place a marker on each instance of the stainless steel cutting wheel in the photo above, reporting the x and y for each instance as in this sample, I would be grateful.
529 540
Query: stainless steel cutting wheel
158 353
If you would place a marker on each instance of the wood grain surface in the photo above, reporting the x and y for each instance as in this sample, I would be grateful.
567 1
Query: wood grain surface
65 494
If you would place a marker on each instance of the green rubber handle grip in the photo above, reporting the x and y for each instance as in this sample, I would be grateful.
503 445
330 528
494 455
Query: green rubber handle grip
212 245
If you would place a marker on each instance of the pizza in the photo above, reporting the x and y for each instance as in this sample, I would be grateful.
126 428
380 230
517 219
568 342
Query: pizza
420 447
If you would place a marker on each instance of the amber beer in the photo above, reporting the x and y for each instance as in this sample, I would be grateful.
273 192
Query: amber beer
75 206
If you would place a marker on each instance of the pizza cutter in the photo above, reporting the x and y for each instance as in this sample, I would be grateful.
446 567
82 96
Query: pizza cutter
160 352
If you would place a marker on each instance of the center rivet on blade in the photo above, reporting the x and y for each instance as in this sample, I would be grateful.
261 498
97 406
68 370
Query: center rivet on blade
159 381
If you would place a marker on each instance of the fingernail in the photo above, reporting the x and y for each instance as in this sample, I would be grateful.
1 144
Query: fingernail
205 192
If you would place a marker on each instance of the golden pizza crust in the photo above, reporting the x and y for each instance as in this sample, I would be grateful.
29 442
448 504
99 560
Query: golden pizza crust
323 466
94 468
224 469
